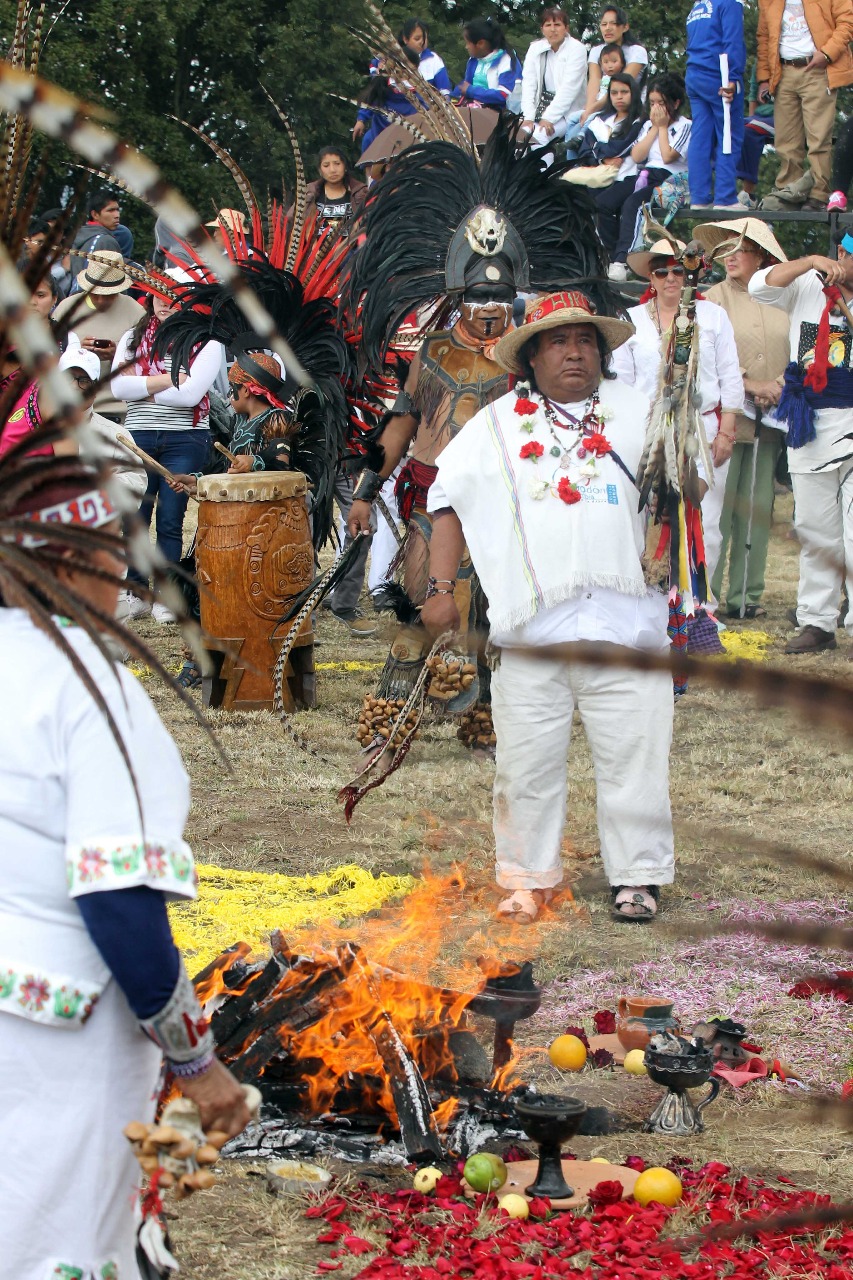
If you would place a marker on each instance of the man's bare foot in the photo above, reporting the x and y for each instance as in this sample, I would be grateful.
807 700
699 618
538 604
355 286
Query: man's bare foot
634 904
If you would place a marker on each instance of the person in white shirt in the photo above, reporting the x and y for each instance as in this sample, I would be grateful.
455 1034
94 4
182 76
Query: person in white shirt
170 423
638 363
540 487
553 79
614 26
659 152
816 404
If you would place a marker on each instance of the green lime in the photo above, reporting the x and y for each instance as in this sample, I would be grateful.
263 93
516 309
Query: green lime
484 1171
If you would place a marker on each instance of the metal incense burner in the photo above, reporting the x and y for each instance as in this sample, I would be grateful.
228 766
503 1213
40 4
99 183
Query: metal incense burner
548 1120
678 1064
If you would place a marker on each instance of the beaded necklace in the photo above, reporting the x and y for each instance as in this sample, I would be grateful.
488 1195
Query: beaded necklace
577 451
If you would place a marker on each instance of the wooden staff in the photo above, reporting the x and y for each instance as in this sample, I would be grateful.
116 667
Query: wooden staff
232 457
146 459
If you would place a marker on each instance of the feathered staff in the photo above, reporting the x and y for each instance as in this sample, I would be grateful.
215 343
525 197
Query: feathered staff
668 477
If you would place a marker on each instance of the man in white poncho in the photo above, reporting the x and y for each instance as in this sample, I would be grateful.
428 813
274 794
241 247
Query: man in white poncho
540 486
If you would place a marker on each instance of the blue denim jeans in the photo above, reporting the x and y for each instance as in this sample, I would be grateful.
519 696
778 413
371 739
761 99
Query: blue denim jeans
180 452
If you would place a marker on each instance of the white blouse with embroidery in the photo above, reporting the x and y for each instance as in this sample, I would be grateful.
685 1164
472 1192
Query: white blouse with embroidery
69 820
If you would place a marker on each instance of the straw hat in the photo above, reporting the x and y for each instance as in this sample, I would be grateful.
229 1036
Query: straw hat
550 311
231 220
640 262
722 238
104 273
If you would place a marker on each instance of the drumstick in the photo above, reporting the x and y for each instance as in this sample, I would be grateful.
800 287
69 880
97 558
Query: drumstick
232 457
146 458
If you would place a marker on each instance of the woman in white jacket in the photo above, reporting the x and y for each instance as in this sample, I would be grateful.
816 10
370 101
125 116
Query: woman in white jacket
170 423
553 81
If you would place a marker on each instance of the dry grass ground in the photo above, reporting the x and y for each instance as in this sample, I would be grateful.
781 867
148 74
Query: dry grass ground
740 772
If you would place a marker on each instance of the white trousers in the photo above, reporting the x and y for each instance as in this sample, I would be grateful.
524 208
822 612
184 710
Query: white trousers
384 546
627 716
712 510
823 518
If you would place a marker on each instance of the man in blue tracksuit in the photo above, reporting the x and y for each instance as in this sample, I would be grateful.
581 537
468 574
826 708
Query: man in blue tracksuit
714 27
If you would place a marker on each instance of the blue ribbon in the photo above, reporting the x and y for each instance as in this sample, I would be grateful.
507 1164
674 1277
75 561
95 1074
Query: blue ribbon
798 403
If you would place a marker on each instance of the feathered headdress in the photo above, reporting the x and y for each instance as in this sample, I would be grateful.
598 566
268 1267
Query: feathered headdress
318 411
440 221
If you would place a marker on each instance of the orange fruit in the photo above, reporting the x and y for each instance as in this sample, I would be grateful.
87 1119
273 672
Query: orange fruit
568 1053
659 1185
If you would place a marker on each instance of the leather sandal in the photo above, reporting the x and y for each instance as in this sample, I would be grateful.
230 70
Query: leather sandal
523 905
637 897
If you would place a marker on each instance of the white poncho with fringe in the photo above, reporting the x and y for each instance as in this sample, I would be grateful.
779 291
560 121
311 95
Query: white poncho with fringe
532 552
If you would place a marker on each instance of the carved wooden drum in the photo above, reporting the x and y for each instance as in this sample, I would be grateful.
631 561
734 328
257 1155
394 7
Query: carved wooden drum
253 552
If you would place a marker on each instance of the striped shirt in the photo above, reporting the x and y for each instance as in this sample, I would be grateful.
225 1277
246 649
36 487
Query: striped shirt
172 409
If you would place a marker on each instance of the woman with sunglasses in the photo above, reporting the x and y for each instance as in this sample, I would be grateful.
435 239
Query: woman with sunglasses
720 381
171 423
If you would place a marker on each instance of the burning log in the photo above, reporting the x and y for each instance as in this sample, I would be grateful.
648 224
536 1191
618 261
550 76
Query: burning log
330 1032
414 1109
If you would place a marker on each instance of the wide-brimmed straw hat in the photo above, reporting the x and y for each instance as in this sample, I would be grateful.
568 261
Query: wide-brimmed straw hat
640 262
550 312
104 273
722 238
230 220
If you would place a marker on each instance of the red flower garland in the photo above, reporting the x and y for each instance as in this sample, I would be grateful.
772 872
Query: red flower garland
596 442
533 449
525 408
569 492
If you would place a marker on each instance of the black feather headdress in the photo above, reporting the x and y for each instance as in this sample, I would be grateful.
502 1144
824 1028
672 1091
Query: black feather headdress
424 207
308 322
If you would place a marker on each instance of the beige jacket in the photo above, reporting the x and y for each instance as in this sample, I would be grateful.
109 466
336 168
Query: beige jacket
86 322
831 25
762 339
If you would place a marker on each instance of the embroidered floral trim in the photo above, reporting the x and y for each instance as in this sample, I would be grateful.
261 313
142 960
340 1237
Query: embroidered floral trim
122 864
66 1271
54 999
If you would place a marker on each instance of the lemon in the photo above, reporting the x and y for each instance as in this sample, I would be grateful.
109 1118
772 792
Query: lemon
568 1053
515 1206
425 1179
484 1172
599 1160
659 1185
635 1062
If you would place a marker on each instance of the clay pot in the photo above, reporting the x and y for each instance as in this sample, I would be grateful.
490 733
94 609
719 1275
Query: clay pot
638 1020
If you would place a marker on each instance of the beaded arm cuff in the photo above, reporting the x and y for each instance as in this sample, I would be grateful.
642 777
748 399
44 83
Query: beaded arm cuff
367 486
181 1030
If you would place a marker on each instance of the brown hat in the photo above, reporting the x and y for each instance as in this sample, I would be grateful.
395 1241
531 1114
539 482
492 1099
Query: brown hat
104 273
550 311
640 262
723 238
229 220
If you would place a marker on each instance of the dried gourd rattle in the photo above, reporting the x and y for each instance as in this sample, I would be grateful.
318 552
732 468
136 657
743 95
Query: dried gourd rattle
178 1146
